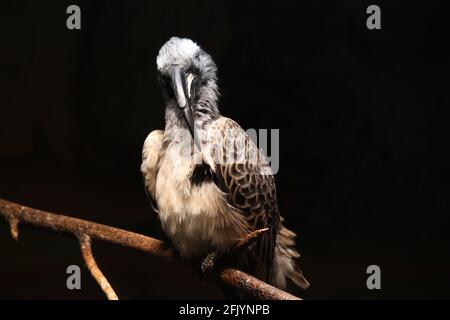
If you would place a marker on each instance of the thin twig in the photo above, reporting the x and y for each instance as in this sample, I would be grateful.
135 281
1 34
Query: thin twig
86 251
249 239
14 228
247 284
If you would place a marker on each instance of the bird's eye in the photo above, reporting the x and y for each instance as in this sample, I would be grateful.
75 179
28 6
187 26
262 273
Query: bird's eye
164 80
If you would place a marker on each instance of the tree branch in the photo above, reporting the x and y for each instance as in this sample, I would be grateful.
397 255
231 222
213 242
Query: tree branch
86 251
86 230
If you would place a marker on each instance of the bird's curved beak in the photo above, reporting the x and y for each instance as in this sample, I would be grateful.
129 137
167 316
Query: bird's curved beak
180 87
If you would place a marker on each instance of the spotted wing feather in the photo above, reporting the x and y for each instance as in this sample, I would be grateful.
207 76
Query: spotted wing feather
245 176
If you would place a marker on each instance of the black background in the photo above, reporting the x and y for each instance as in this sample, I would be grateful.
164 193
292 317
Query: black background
364 135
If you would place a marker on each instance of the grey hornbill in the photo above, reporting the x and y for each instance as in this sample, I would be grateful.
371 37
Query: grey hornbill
205 202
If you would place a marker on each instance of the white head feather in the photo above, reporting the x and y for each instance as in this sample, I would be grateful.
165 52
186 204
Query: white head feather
176 51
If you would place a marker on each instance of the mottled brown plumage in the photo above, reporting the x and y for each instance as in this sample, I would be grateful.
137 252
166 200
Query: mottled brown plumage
244 174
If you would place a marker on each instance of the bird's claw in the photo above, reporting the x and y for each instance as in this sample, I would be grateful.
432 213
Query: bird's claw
209 262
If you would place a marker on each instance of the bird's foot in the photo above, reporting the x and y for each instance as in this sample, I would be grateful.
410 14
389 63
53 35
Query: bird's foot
209 262
212 260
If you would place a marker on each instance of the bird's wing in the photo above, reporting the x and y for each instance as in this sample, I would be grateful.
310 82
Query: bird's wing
245 176
149 166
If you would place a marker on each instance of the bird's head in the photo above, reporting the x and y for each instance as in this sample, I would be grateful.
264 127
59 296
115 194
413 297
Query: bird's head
187 76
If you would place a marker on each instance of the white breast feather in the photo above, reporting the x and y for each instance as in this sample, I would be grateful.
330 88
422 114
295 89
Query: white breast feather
196 218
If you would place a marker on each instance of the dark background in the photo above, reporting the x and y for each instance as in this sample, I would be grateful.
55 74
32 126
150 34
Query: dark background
364 129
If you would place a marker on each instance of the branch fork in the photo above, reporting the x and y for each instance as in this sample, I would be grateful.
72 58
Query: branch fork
87 231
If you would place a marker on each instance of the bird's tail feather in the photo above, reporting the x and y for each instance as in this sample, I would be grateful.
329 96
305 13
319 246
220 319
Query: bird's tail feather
284 261
297 277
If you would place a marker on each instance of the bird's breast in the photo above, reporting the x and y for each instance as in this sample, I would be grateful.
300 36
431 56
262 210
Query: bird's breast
195 216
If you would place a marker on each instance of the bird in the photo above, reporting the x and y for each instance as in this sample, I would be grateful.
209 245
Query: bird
207 181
